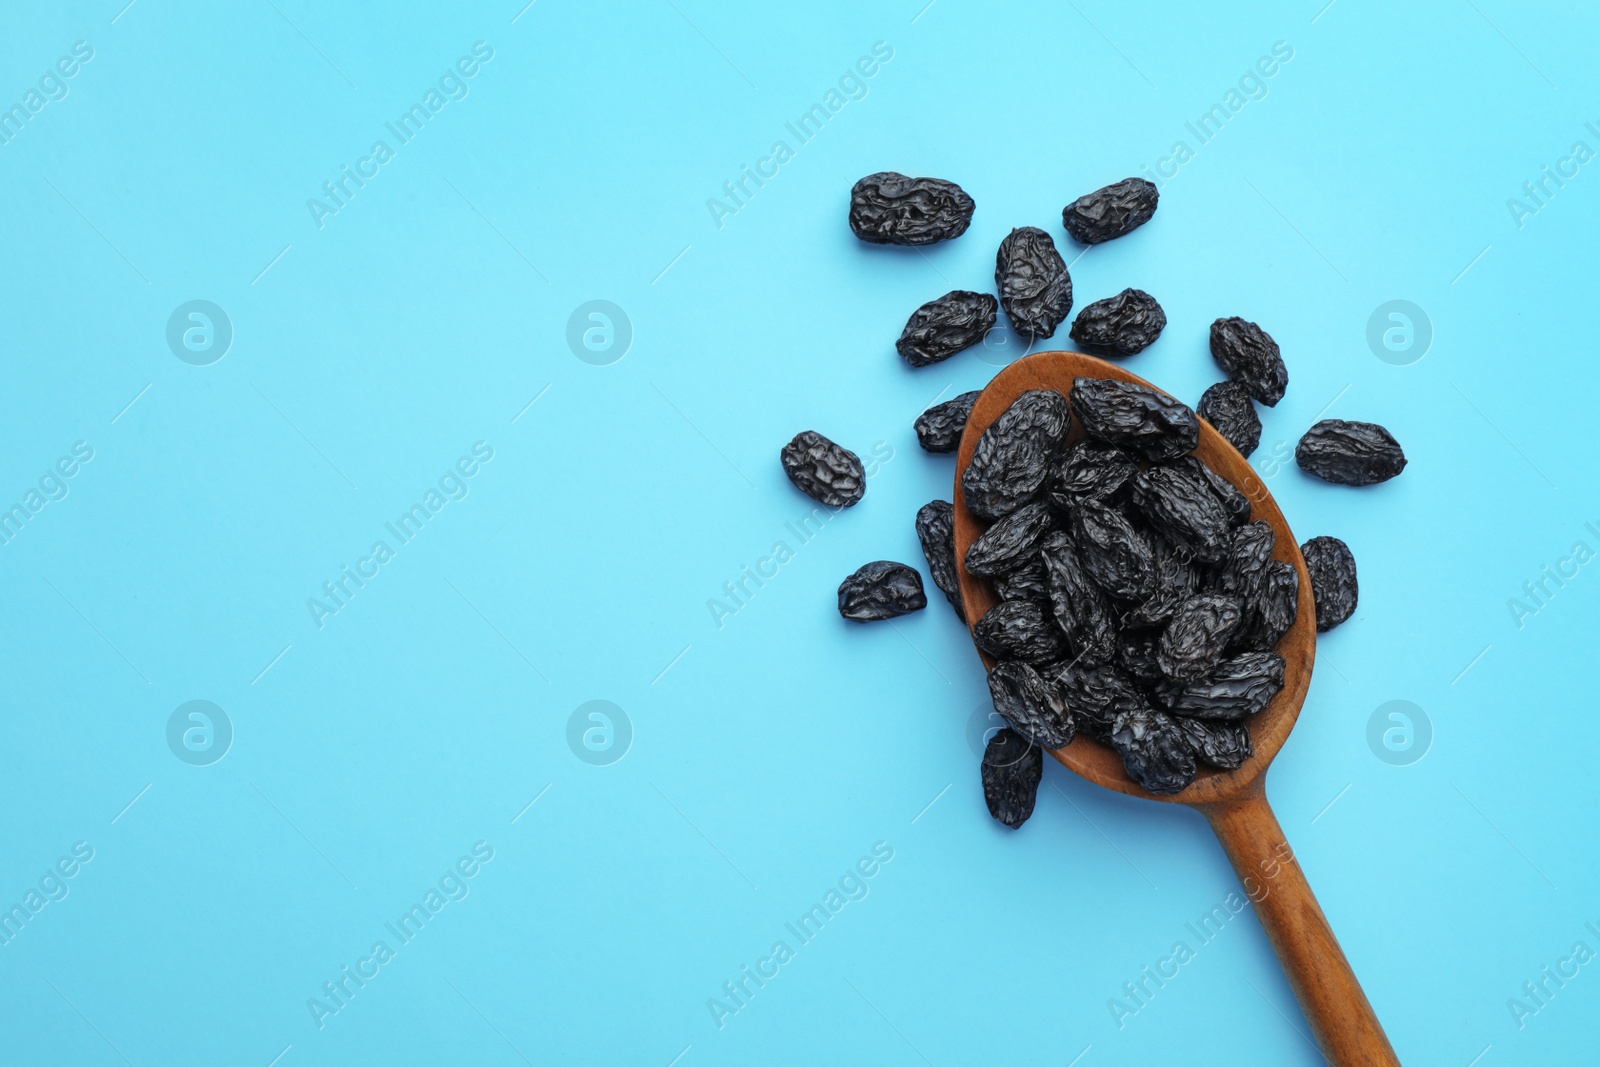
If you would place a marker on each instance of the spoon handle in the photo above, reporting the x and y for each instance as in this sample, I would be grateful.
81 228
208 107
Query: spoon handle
1345 1027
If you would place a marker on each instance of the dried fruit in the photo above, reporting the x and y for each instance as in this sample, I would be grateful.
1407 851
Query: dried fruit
1111 212
1035 288
1182 507
1032 706
1079 608
1115 556
881 590
939 428
1228 408
1136 417
1237 689
1003 545
1251 358
1244 569
1350 453
1023 582
1097 695
823 470
1274 610
940 328
1225 745
1019 630
1196 637
1015 455
1234 502
1012 768
1136 657
1333 580
936 532
1154 751
891 209
1090 471
1122 325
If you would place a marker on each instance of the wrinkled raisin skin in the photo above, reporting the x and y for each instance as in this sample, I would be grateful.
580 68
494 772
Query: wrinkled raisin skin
1154 750
1016 454
828 473
882 589
891 209
1228 408
1251 357
1111 212
1032 706
1135 417
1035 288
1012 768
940 328
939 428
1350 453
1120 325
936 533
1334 591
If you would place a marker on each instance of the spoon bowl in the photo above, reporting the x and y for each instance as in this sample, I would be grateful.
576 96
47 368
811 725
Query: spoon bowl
1234 802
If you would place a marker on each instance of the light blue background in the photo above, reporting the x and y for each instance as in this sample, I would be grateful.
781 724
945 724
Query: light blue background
771 753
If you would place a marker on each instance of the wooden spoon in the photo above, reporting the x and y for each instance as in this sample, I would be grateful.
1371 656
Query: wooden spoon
1234 802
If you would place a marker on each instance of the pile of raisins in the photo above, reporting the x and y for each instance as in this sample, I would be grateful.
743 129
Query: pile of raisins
1137 602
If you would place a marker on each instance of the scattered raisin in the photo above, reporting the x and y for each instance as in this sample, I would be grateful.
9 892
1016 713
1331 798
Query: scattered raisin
1333 580
1120 325
891 209
1251 358
823 470
1228 408
1035 288
936 532
881 590
1111 212
1350 453
940 328
1012 768
939 428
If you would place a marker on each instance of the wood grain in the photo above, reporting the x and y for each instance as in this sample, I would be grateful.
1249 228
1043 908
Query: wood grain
1233 801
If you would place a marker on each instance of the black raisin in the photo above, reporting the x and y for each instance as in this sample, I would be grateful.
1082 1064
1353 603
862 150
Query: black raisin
1021 630
1236 689
1023 582
1333 580
881 590
1350 453
1033 707
891 209
1182 507
939 428
1120 325
1079 608
1116 557
1136 656
936 532
1003 545
1244 569
940 328
1197 636
1111 212
1135 417
1235 503
1012 768
1274 610
1035 288
1230 411
1225 745
1097 695
1015 455
1154 751
1251 358
1090 471
824 471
